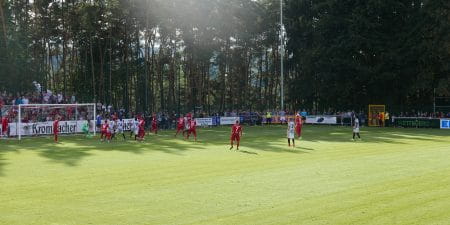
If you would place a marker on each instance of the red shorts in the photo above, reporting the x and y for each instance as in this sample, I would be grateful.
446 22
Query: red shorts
108 135
4 129
298 130
235 137
192 131
180 127
141 133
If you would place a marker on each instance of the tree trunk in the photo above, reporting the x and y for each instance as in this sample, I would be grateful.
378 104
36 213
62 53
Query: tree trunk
101 79
92 70
152 77
110 69
64 40
2 17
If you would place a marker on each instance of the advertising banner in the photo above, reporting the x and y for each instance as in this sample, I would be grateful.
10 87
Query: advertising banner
65 127
445 123
204 122
321 119
215 120
228 120
417 122
46 128
127 124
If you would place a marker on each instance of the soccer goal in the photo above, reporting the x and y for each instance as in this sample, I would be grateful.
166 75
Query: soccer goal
441 105
37 119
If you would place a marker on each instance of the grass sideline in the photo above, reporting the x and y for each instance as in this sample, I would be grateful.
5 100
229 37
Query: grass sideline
393 176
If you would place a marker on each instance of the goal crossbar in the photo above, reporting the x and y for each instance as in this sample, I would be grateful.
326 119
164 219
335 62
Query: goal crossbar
36 106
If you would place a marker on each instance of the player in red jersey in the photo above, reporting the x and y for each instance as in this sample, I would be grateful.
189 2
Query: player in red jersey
109 130
236 133
154 124
180 125
298 125
56 128
141 129
5 123
104 130
192 129
70 110
189 116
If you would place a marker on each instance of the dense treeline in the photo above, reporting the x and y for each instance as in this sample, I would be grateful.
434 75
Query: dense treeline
152 55
352 53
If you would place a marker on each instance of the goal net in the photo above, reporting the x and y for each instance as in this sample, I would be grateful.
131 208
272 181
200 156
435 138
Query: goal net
37 119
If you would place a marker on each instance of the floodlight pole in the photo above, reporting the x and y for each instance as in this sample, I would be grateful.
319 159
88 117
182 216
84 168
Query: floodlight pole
18 128
282 54
95 119
434 101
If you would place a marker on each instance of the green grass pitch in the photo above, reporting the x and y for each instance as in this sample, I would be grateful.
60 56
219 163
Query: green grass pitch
393 176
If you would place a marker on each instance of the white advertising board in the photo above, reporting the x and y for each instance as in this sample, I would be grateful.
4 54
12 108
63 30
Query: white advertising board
321 119
46 128
228 120
203 122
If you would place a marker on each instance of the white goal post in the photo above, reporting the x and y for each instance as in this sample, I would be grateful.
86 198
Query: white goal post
37 119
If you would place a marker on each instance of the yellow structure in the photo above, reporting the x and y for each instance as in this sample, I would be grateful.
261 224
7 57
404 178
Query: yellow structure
376 115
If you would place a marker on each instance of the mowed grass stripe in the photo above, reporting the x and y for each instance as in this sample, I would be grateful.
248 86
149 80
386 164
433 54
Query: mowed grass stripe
360 205
169 181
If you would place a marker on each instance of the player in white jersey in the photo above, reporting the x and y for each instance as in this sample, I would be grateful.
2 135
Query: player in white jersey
136 128
120 128
356 129
112 128
187 123
131 124
133 127
291 133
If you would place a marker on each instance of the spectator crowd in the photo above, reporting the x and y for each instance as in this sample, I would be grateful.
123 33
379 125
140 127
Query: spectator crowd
167 120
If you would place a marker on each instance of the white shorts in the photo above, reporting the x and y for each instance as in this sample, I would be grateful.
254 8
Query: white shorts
291 135
283 119
355 130
136 131
120 131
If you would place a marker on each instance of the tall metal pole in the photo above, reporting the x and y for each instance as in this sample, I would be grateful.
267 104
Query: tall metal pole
95 118
110 71
18 128
282 54
434 102
179 88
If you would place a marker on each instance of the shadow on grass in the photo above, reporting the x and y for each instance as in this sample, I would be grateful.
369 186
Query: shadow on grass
372 134
73 149
247 152
68 156
2 164
272 147
5 149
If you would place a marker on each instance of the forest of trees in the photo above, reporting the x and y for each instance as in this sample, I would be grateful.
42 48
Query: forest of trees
153 55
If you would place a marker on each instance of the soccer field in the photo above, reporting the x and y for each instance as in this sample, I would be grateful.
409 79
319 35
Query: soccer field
393 176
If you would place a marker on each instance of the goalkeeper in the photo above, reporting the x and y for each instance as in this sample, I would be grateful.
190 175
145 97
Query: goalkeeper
85 128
